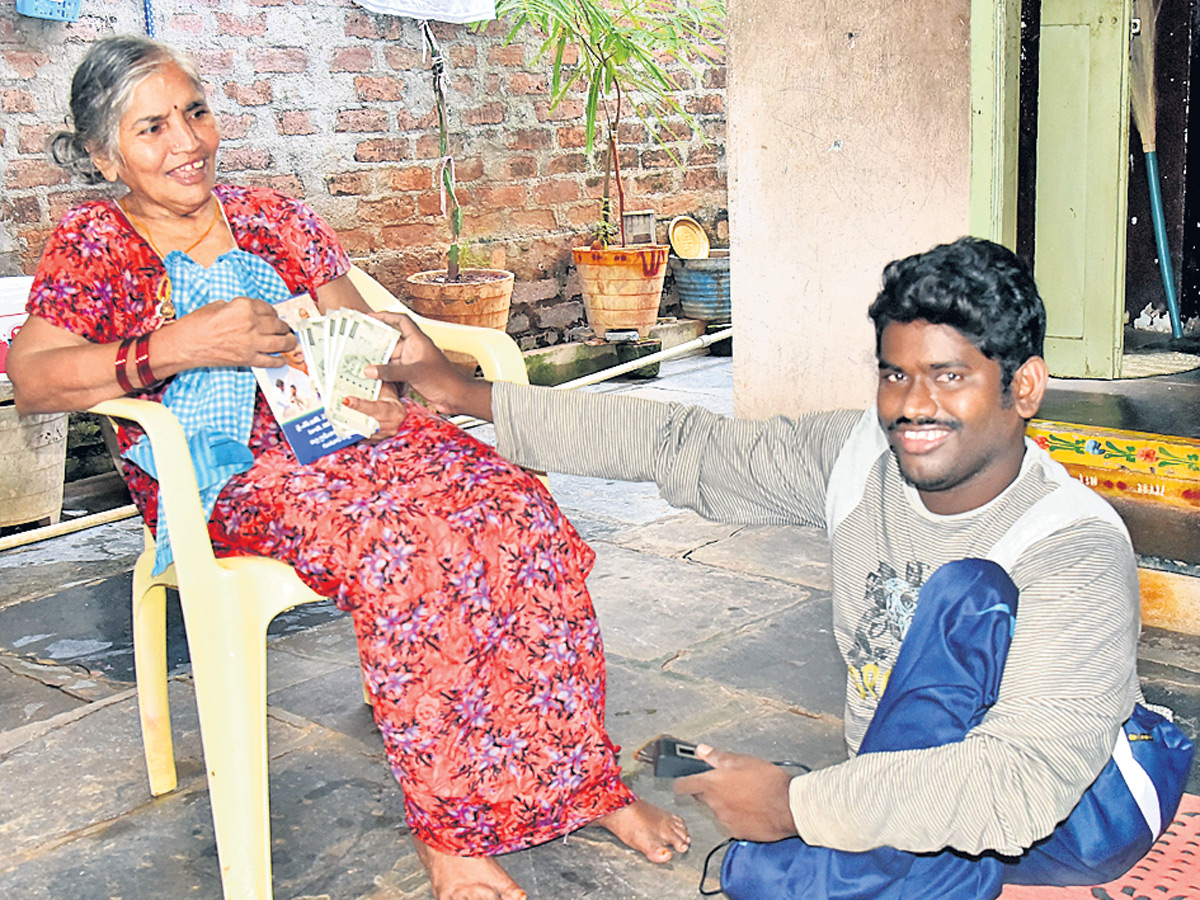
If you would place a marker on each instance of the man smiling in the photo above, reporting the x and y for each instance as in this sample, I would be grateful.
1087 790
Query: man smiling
955 430
985 603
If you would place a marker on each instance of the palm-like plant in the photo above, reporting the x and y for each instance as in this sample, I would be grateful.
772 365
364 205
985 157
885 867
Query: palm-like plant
623 51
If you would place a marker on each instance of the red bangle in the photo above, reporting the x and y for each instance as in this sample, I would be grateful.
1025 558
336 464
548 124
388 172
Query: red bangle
121 365
142 360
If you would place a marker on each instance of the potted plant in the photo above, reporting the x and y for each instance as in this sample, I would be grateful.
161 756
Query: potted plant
622 49
470 296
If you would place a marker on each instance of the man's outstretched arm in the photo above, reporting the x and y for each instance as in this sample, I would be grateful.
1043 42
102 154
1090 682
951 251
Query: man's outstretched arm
734 470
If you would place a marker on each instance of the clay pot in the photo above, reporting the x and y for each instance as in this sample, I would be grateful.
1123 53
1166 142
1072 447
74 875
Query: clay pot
482 297
622 286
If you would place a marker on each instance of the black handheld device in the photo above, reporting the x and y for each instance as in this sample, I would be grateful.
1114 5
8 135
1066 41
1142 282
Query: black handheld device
672 758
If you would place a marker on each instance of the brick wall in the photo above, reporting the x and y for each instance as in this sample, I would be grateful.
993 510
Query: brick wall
326 101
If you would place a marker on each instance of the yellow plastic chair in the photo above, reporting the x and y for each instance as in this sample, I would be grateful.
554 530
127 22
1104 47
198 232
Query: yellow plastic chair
227 604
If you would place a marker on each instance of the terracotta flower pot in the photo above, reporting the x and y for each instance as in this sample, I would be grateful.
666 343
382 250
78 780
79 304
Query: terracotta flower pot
481 297
622 286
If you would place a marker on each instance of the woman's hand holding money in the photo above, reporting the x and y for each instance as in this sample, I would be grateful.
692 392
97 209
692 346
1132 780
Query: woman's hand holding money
240 332
389 411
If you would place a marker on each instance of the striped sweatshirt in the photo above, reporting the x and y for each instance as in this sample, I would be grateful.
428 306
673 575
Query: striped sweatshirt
1070 680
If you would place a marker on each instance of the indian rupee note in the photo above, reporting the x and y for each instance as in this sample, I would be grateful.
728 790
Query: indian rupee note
364 342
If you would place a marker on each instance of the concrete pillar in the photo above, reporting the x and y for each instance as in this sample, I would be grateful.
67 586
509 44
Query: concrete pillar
849 139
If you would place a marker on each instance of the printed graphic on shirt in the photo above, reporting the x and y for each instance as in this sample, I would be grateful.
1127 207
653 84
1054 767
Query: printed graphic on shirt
891 601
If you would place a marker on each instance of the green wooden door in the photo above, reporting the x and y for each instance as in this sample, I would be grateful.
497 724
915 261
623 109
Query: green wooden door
1082 182
995 106
1082 167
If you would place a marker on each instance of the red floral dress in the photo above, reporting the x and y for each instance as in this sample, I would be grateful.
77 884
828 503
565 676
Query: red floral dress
475 630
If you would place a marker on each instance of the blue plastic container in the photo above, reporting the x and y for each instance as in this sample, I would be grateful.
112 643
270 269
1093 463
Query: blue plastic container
704 286
58 10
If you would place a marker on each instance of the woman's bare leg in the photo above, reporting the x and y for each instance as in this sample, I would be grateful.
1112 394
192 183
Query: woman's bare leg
653 832
466 877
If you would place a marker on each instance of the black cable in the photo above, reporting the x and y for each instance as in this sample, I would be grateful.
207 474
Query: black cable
707 860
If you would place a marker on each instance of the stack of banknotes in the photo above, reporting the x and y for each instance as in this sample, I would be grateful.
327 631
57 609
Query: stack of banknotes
336 348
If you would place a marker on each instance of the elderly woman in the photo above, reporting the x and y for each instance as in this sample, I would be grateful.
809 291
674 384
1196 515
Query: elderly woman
477 636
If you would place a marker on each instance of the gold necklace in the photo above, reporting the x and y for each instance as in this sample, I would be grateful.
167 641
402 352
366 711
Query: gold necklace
190 247
166 309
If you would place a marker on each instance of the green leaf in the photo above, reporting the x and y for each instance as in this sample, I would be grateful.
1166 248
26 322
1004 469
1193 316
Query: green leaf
625 49
558 58
589 126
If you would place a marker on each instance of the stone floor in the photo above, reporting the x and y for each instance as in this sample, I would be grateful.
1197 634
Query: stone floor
712 632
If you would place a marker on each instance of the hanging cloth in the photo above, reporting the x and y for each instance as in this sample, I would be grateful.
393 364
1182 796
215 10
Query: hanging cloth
457 11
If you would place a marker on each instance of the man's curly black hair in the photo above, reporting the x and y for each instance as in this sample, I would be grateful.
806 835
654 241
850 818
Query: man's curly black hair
979 288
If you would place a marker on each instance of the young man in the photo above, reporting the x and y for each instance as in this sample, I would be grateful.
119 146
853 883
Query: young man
994 597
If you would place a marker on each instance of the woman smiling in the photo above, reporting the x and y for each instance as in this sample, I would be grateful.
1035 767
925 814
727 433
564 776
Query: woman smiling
478 641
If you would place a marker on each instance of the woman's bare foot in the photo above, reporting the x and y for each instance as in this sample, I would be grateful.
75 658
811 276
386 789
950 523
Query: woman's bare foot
653 832
466 877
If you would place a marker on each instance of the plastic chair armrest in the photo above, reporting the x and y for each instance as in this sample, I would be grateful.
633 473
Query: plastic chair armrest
176 478
497 353
376 295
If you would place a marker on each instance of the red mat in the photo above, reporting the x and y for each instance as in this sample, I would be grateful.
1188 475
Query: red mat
1170 871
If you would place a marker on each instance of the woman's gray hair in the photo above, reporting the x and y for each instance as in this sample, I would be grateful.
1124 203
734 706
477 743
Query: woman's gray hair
100 92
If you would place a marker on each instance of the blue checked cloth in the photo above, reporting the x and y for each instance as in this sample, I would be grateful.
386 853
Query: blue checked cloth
215 406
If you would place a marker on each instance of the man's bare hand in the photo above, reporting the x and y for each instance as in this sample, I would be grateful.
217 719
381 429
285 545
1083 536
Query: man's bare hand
748 795
416 361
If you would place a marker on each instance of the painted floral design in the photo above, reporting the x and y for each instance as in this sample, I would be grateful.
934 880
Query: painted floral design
1152 458
1189 461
